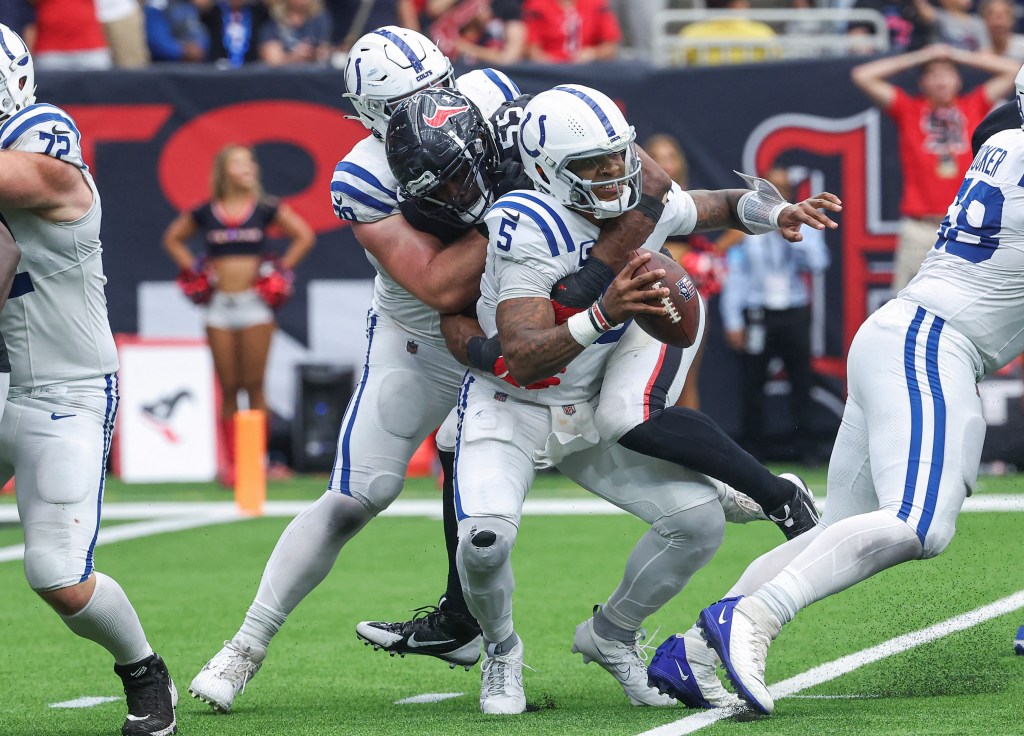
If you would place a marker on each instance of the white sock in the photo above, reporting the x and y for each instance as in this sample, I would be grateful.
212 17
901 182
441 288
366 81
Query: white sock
849 551
260 626
110 620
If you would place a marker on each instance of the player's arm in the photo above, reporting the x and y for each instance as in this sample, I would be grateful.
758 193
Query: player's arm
535 347
298 231
445 278
721 208
53 188
176 237
10 254
619 236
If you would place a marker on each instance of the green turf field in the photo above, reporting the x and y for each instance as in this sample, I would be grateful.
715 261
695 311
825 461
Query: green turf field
192 588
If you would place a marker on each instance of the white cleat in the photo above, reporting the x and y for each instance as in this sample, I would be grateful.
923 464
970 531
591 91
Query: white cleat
741 630
501 685
739 508
224 677
625 662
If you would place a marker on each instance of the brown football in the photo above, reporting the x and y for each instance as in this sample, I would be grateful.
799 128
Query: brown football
680 324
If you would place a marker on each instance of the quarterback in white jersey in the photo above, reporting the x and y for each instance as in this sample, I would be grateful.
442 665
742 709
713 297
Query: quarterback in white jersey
59 416
908 450
409 382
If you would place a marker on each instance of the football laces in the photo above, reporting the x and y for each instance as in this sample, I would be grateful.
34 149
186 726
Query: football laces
670 309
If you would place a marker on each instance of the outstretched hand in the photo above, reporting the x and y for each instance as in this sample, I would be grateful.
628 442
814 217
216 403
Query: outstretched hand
809 212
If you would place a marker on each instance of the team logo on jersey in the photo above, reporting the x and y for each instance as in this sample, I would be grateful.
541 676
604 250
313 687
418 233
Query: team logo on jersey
686 288
441 115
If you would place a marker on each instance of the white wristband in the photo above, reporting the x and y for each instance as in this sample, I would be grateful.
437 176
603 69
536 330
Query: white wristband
582 328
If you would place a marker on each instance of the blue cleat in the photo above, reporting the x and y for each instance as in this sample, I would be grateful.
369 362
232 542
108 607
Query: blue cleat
1018 646
685 667
740 629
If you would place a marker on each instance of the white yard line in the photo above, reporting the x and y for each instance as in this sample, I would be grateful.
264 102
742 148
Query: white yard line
844 665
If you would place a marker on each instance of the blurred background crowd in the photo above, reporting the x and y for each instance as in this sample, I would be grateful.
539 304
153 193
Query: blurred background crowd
98 34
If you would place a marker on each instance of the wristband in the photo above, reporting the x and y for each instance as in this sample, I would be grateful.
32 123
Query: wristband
650 207
483 352
587 327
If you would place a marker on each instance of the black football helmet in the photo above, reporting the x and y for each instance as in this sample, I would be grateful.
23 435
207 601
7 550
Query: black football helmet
440 151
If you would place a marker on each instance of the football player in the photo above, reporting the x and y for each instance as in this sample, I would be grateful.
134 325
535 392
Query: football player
579 153
909 448
409 381
452 171
59 415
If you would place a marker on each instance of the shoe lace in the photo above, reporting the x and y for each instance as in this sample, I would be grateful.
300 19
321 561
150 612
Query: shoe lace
497 670
234 667
143 695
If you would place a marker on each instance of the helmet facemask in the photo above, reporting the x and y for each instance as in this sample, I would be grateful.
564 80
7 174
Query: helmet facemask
458 194
582 194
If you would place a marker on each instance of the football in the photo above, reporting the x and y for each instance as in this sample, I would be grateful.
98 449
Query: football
680 324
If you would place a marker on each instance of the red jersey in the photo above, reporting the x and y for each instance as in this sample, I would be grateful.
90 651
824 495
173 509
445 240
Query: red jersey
935 149
561 31
68 25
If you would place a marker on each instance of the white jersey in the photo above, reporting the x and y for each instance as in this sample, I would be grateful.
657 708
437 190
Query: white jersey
363 189
974 277
55 322
534 242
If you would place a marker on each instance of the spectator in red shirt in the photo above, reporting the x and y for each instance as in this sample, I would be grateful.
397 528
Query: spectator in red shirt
934 135
69 36
575 31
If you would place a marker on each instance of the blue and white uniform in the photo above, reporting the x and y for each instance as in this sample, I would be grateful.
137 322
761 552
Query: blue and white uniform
56 430
507 433
912 433
410 381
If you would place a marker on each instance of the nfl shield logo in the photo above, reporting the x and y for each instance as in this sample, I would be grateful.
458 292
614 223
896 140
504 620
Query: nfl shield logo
411 347
569 410
686 288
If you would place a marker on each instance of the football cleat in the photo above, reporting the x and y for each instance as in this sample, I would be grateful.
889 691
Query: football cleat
437 632
685 668
501 683
1018 646
151 697
799 514
225 676
625 662
740 630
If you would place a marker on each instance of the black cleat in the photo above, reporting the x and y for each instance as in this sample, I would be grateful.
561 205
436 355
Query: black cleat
151 698
433 631
799 514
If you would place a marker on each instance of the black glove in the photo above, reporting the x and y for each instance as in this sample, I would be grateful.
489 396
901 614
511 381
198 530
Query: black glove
509 176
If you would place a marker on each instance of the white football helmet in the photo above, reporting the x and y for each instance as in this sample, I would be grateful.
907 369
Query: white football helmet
17 75
569 123
387 65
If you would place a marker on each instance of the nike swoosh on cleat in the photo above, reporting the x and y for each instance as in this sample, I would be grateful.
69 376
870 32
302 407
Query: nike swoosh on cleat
55 416
414 644
137 718
721 617
785 515
685 677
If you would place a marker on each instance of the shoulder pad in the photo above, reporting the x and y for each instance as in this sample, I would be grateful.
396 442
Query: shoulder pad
529 224
363 188
45 129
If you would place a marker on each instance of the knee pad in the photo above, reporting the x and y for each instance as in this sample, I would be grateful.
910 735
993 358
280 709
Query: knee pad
347 514
699 528
938 538
49 563
485 543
